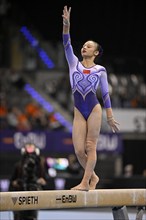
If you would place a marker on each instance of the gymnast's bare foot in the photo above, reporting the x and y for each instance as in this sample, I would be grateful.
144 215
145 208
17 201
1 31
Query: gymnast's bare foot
82 187
93 182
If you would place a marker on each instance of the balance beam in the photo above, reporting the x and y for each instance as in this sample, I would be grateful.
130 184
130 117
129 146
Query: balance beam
64 199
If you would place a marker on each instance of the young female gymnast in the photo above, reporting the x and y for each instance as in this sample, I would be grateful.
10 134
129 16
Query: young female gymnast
85 77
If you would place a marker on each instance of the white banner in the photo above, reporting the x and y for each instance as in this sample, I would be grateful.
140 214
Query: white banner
131 120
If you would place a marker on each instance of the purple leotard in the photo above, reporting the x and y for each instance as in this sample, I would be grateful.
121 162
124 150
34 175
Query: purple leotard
84 81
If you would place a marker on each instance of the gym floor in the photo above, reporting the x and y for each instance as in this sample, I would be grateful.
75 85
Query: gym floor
77 214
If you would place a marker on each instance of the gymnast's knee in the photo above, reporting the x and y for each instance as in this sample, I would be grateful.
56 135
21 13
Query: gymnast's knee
90 146
80 153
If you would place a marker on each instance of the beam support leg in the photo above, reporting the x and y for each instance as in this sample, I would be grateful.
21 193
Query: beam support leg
140 212
120 213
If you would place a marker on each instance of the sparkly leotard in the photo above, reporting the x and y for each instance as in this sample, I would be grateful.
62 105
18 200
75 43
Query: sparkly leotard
85 81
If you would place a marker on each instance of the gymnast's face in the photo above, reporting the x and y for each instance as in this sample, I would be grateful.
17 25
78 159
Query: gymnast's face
89 49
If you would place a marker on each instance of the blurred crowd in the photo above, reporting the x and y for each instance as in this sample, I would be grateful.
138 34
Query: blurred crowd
17 108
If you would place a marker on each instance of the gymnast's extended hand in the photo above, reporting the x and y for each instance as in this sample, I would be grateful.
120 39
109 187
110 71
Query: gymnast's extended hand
113 124
66 16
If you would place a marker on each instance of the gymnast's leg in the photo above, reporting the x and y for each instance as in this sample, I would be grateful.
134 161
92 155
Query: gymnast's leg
94 126
85 135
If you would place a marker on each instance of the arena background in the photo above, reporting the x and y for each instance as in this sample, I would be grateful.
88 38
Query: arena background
33 70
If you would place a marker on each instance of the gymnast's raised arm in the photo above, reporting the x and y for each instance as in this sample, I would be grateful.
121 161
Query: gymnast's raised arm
70 56
66 20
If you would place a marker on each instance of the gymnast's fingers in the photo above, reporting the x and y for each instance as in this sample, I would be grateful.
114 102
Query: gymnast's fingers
116 128
117 123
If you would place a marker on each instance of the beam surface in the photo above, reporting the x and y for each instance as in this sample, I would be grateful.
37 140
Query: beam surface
64 199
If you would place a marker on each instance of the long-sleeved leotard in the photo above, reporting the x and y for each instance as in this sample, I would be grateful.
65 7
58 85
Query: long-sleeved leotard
85 81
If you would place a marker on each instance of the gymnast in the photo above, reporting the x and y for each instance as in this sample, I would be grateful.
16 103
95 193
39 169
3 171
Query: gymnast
85 77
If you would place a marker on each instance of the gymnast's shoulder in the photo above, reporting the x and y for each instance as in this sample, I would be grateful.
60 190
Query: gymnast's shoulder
100 67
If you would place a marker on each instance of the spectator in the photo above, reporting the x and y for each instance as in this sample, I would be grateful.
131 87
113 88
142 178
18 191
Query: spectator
29 174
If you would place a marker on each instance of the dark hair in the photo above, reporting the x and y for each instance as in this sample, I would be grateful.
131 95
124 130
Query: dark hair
100 49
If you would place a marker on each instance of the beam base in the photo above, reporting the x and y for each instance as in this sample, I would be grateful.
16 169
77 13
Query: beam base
140 213
120 213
